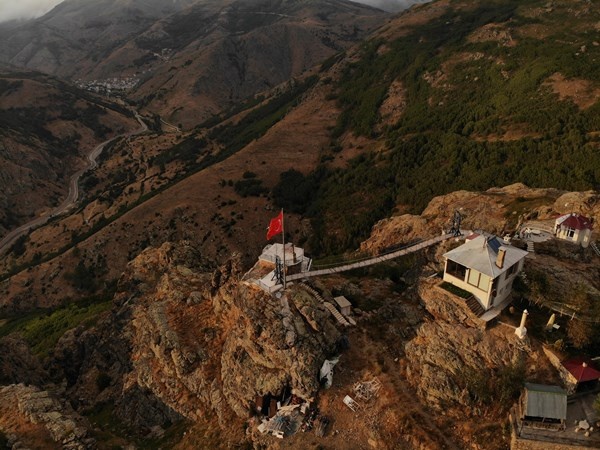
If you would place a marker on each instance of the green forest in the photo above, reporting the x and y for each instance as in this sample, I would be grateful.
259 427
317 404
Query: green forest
448 136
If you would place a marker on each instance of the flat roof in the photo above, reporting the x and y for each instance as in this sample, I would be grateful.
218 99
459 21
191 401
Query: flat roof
271 251
342 301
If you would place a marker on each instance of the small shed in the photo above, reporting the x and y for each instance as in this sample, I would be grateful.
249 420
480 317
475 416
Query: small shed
544 406
343 305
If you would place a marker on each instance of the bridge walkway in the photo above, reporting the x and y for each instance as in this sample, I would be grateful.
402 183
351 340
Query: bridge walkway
371 261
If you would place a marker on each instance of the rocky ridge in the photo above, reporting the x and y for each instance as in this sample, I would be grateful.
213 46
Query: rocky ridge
182 342
497 210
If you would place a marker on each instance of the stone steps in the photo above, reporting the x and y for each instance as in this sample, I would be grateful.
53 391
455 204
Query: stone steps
332 309
475 306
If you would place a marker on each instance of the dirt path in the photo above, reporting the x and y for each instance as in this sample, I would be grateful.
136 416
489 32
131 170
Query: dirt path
73 194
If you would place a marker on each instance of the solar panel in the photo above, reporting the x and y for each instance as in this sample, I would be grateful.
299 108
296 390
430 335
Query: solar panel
494 243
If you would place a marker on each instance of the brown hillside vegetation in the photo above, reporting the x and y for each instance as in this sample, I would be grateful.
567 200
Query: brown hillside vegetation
45 136
197 208
583 93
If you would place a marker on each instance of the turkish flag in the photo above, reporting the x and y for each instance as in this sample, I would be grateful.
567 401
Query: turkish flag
275 226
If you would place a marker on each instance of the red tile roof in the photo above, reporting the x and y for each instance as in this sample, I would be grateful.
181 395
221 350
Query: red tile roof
577 222
581 369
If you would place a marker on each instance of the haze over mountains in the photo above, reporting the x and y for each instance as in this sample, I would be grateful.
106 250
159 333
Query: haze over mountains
28 9
187 59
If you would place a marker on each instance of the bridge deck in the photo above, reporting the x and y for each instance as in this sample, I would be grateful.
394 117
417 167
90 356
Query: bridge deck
369 262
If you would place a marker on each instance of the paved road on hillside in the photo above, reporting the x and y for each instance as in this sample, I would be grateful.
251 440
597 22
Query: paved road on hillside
73 194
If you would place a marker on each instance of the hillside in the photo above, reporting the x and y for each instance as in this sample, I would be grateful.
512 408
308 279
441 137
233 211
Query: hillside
187 60
48 127
128 322
182 352
218 184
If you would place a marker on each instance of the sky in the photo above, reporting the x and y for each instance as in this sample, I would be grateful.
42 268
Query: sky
25 9
29 9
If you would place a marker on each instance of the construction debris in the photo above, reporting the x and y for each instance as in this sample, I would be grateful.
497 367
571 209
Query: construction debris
326 372
321 425
366 390
351 403
287 421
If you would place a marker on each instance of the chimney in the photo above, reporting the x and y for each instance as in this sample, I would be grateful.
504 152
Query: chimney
500 257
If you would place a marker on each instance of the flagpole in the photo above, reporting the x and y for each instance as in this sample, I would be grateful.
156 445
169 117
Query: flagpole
283 240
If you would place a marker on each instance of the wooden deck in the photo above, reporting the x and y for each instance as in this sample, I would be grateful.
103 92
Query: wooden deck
371 261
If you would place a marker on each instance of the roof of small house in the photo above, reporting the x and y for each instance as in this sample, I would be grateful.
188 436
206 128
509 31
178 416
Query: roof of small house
481 254
574 220
549 402
582 369
342 301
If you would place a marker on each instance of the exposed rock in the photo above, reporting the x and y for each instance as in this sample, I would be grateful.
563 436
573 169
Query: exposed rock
17 364
447 351
495 211
181 342
66 427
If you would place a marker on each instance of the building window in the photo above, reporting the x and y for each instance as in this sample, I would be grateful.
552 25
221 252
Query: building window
571 232
479 280
456 270
512 270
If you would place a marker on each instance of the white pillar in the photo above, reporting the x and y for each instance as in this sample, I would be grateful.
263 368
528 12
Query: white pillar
521 332
550 323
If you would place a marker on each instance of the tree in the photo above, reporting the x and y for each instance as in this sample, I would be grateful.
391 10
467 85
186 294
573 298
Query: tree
583 333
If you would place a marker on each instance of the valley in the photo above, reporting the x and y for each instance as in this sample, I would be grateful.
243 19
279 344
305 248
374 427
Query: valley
141 165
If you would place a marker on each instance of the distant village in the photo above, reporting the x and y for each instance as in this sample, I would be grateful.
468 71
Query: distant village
110 86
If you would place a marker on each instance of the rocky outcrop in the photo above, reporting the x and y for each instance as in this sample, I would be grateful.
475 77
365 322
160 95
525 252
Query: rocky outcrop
40 408
450 353
183 341
497 210
17 364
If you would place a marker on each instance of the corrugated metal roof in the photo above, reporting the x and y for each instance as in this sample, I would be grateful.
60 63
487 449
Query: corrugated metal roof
481 254
549 402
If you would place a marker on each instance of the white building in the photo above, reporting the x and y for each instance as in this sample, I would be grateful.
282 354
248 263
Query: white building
485 266
574 228
264 272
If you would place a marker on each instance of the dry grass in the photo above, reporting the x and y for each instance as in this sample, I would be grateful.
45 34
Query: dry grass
581 92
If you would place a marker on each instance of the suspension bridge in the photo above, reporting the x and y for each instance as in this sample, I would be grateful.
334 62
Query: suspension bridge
372 260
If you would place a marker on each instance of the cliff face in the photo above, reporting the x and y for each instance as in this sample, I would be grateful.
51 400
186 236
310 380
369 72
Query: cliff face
184 342
448 354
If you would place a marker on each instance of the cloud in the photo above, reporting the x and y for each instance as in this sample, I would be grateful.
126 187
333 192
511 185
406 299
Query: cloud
25 9
391 5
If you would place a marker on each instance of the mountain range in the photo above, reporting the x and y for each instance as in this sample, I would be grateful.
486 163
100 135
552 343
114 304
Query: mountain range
128 320
442 89
188 60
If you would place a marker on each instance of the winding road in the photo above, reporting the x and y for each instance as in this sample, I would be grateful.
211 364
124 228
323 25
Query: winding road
73 195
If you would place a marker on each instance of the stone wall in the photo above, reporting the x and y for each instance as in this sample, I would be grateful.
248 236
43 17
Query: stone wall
568 379
527 444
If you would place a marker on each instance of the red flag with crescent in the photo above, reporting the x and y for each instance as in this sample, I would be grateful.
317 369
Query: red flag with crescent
275 226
